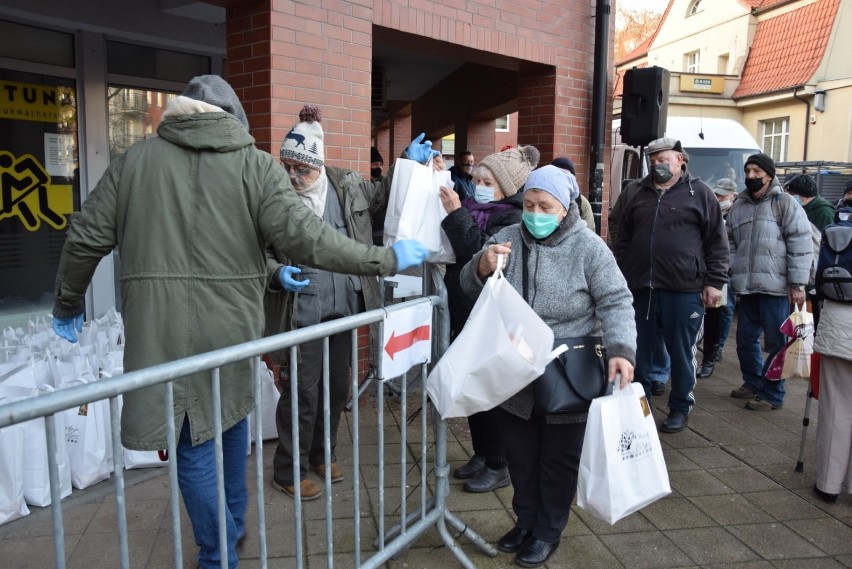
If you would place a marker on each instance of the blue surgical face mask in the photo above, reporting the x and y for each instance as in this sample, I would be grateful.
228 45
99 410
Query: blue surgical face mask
798 198
483 194
540 225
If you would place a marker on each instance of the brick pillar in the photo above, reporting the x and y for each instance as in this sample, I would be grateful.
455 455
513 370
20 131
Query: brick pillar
401 135
480 138
284 54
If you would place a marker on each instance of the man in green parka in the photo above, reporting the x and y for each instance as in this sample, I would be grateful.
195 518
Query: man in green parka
191 212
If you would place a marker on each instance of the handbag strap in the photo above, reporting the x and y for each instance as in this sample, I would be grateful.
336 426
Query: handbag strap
524 255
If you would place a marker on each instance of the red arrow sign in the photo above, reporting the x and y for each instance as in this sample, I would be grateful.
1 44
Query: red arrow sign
402 342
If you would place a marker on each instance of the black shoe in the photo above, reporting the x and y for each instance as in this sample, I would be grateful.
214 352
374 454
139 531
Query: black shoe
487 480
675 423
717 356
658 388
707 367
473 467
535 552
825 496
514 540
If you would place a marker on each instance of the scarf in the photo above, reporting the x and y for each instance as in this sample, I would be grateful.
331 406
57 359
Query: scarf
314 195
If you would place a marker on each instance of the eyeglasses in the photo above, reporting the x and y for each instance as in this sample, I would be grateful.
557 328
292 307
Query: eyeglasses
301 172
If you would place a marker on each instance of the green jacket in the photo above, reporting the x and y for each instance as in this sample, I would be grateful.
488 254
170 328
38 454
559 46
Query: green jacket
191 212
820 212
360 200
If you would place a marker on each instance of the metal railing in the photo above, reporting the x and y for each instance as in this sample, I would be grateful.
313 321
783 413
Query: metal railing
432 511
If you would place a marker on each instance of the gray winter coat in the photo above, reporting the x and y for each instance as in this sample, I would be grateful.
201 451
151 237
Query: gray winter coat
768 257
574 285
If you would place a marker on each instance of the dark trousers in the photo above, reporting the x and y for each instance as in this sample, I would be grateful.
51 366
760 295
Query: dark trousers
486 439
310 396
678 318
543 463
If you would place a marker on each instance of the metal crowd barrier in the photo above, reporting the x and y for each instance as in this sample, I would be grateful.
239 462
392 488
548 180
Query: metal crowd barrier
432 510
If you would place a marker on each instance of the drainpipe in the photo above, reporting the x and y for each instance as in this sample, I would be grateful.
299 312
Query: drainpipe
807 122
599 83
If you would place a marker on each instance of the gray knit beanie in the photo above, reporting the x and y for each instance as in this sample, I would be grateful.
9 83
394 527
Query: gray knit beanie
214 90
511 167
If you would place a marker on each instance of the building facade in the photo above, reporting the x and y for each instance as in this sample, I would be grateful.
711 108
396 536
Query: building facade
779 67
81 81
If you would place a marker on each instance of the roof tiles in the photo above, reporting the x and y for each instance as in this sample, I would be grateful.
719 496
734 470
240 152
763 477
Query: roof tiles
787 49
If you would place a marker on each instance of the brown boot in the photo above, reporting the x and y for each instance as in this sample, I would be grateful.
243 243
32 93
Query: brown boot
336 471
309 489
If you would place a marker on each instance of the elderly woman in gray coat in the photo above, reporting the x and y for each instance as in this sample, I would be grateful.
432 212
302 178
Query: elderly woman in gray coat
577 289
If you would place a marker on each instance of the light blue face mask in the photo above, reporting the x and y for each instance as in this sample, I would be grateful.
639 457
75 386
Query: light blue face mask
798 198
483 194
540 225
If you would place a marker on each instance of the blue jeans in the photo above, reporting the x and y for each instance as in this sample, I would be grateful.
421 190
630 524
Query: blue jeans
197 480
661 363
761 313
726 314
677 317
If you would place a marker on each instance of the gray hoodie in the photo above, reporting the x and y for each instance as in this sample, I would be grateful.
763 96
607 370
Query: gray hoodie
574 285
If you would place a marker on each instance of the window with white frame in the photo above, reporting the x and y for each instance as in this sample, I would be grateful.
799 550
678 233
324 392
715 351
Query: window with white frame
692 61
775 135
502 124
695 7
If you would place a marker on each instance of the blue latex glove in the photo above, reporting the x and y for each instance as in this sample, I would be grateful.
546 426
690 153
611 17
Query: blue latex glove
421 151
409 253
68 327
285 275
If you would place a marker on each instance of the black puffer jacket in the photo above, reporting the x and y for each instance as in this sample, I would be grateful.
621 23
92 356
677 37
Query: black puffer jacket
467 239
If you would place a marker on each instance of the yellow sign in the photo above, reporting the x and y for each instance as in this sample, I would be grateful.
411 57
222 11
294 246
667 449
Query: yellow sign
702 83
26 193
29 102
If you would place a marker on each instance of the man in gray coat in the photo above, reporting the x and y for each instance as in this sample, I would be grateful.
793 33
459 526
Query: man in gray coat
771 253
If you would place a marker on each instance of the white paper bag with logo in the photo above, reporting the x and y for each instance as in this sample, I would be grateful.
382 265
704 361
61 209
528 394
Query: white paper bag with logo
503 347
415 211
12 504
85 439
622 468
269 396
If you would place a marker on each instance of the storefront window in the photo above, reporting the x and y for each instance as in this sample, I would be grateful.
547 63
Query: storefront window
39 188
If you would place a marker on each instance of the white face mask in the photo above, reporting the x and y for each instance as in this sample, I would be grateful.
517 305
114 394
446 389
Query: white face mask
726 205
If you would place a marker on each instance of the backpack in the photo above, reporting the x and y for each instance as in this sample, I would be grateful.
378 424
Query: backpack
816 236
834 270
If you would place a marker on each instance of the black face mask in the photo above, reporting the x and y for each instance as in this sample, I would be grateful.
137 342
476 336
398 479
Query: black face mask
661 173
375 172
754 184
848 202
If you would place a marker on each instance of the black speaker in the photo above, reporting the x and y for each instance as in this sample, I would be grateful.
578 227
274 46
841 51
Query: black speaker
644 105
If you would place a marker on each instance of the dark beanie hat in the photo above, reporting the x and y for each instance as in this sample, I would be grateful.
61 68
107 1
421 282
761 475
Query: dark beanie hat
848 187
802 185
375 156
763 162
565 163
214 90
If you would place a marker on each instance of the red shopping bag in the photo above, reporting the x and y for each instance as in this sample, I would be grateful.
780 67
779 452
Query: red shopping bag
816 359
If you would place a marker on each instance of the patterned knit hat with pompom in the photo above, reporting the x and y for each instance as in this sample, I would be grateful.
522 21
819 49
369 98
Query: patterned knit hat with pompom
511 167
304 141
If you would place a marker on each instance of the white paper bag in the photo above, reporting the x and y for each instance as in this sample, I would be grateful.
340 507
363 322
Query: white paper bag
269 396
85 439
12 504
36 468
503 347
415 211
622 468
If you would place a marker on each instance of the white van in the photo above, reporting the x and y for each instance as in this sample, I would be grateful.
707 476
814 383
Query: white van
717 148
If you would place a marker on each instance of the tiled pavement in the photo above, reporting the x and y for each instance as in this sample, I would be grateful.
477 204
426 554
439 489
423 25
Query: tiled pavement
737 502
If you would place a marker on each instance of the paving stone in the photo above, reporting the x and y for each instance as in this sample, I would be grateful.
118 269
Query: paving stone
775 541
645 550
711 545
831 536
670 513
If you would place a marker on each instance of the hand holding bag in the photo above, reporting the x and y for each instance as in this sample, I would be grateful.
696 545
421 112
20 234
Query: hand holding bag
415 211
622 468
502 348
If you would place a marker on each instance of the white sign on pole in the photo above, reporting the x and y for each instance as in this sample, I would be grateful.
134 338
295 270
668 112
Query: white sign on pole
407 340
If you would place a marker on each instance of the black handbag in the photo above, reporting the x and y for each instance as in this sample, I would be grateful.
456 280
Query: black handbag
572 379
575 377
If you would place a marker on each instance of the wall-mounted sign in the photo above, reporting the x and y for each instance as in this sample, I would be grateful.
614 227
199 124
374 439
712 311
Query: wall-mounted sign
702 83
29 102
28 194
